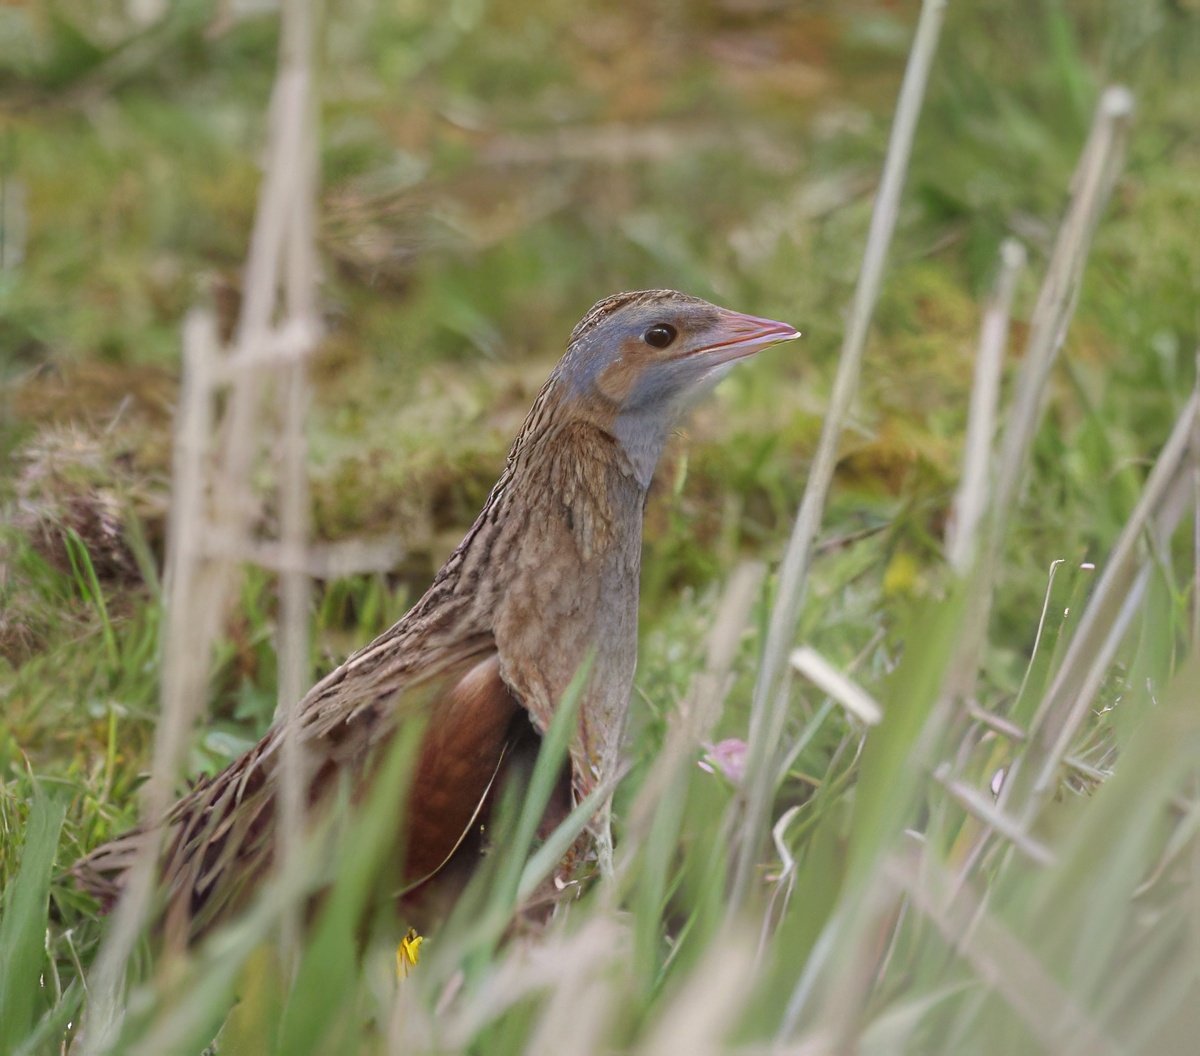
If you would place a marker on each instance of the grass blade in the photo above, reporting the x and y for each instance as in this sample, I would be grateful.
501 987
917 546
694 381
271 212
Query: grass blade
23 927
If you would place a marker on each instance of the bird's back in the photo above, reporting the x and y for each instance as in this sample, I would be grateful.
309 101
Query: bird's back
437 666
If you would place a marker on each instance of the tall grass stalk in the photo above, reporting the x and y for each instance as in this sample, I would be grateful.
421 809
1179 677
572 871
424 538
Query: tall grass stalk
1195 462
184 673
199 581
1097 171
1102 626
770 701
299 292
970 501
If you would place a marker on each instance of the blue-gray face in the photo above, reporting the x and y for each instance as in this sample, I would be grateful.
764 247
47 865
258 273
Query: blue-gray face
648 352
637 360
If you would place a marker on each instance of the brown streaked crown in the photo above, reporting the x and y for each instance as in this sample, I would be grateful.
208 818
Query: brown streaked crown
603 308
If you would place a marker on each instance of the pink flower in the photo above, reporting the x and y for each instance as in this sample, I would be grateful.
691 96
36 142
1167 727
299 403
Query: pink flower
727 756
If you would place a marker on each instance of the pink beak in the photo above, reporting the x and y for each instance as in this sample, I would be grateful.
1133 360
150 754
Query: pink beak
739 336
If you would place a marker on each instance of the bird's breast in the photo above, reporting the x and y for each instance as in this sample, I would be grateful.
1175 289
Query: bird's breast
575 559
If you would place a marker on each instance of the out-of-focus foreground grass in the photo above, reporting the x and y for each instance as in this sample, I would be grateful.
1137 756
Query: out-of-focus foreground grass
487 172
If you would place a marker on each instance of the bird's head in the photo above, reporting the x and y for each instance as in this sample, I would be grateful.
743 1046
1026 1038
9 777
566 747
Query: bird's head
637 360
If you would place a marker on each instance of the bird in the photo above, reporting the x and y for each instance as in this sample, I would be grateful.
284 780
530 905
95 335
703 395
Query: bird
546 577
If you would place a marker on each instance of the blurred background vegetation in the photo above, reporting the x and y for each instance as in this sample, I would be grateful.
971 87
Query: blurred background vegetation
488 170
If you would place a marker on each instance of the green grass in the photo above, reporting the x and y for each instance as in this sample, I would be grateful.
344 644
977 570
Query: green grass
471 210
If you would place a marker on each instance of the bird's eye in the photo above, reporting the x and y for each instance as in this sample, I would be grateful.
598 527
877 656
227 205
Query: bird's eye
660 335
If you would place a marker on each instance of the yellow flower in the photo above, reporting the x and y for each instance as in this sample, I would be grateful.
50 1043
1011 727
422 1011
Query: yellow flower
902 576
408 952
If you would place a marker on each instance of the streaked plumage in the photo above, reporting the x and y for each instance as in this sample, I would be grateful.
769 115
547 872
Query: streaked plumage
548 571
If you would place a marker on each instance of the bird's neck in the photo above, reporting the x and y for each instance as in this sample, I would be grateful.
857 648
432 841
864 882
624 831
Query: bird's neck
568 508
576 489
640 438
570 547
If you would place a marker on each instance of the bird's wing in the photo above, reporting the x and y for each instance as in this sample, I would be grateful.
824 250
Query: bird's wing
460 757
220 841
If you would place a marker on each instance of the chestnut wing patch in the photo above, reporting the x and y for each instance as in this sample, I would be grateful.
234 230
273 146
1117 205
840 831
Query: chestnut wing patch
464 745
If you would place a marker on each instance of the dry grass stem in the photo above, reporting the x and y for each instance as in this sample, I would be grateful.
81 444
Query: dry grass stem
770 704
1003 963
1097 170
861 937
1182 837
199 582
783 882
299 300
523 970
995 722
827 678
705 1010
811 727
14 222
318 560
1096 173
702 707
1085 769
1101 627
981 806
1196 517
291 340
1099 165
184 673
578 1015
970 502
